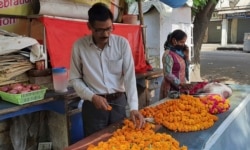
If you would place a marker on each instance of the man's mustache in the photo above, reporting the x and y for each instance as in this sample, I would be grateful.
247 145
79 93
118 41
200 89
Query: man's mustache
104 37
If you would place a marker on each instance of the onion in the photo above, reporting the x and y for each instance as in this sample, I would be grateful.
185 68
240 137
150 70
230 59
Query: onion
28 86
17 87
13 91
35 87
4 88
25 90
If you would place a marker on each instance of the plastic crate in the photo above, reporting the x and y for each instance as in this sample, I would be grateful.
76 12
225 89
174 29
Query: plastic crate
24 98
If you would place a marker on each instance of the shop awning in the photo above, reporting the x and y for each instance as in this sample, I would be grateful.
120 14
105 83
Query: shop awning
233 11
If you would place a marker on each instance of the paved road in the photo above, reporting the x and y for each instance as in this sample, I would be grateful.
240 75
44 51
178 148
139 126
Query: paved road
226 65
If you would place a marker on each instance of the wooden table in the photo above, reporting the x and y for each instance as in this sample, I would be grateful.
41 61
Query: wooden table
155 72
56 102
9 110
146 83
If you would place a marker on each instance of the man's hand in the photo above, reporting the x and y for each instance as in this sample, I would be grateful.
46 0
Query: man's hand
100 102
136 115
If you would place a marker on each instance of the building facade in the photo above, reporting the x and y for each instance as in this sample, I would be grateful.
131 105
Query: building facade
229 22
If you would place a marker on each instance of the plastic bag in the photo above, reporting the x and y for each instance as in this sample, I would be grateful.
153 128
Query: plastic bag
218 88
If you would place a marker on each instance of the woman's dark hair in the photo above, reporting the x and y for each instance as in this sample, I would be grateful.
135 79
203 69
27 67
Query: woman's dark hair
177 34
99 12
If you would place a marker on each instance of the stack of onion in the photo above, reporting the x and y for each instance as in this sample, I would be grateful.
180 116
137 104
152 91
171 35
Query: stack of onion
19 88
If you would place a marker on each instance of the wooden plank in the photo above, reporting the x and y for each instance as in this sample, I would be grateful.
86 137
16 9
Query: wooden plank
4 110
20 69
155 71
9 75
13 81
8 63
6 68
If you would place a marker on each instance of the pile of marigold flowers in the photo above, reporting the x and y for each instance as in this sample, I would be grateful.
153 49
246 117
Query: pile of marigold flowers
185 114
131 138
215 103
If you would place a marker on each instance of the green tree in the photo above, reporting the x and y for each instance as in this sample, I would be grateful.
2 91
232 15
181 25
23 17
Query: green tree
202 11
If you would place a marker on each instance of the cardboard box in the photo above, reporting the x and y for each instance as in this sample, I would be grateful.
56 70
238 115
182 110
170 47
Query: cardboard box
41 80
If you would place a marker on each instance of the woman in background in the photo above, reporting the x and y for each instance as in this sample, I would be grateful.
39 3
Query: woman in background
175 62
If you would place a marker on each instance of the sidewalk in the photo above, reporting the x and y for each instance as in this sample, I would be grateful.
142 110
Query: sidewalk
213 47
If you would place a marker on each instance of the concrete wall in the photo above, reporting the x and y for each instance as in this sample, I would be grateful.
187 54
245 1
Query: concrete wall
236 29
152 23
159 25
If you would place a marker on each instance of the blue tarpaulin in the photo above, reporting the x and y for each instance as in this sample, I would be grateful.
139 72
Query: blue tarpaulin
174 3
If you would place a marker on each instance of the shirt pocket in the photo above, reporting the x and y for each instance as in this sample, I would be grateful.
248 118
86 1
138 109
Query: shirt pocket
115 66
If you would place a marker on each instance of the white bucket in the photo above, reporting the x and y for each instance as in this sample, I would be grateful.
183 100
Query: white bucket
60 79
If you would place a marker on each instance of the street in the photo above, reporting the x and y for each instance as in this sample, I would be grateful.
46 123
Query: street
225 65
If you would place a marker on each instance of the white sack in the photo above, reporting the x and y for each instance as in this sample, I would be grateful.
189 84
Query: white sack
67 8
64 8
13 44
10 43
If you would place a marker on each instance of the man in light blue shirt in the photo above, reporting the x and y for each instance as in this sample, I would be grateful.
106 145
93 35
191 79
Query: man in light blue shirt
102 73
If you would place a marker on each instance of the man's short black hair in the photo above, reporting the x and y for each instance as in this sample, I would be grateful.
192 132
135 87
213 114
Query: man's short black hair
99 12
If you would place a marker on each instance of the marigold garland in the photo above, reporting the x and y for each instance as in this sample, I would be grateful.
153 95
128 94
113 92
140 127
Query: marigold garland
131 138
183 115
215 103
